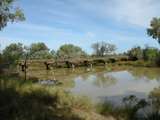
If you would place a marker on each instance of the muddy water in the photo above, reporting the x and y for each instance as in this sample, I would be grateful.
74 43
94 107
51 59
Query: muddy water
102 83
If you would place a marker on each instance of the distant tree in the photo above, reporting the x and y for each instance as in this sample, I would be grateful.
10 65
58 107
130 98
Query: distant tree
54 53
13 52
43 54
70 51
151 53
103 48
135 53
154 30
96 48
39 51
9 12
36 47
1 62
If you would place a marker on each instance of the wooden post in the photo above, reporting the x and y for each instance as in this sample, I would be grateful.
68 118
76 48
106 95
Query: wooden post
25 67
47 66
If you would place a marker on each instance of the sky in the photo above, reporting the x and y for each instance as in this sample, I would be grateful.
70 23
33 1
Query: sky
83 22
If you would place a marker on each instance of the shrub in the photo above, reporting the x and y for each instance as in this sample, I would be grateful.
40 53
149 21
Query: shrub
23 101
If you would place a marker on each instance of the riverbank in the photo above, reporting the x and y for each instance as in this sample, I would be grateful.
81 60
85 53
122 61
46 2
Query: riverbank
55 102
23 100
87 63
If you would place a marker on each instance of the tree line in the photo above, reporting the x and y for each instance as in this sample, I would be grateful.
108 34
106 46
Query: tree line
10 12
18 51
150 54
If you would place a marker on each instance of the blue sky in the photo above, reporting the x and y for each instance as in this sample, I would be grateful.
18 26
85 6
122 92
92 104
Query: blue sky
83 22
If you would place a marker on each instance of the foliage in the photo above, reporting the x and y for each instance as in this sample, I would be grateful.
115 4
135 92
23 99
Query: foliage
21 100
155 96
39 51
13 52
128 111
158 61
9 13
54 54
103 48
70 51
134 108
148 56
135 53
151 54
154 30
36 47
1 62
43 54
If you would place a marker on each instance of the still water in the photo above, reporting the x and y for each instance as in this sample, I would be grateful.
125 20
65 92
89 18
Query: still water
102 83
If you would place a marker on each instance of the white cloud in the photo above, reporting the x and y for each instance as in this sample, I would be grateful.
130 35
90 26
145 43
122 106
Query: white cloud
135 12
79 21
71 12
90 35
39 28
138 12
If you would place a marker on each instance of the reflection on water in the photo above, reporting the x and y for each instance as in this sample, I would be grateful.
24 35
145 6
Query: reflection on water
99 83
114 85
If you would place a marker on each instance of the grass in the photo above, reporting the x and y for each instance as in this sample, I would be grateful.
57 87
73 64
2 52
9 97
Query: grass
133 108
21 100
25 100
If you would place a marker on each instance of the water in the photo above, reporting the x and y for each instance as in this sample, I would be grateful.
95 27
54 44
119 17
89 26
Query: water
101 83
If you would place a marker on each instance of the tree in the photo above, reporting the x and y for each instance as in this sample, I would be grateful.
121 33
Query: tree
135 53
9 13
43 54
150 53
36 47
1 62
39 51
154 30
70 51
13 52
96 48
54 54
103 48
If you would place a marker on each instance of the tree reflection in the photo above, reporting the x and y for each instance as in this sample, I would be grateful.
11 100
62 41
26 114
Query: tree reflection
150 74
100 79
104 80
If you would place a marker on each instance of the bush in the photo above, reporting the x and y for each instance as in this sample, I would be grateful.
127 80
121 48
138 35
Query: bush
23 101
99 62
112 60
158 61
150 54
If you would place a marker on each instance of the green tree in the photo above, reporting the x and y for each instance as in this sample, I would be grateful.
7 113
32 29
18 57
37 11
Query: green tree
54 54
135 53
1 62
154 30
36 47
9 12
70 51
150 53
103 48
43 54
13 52
39 51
